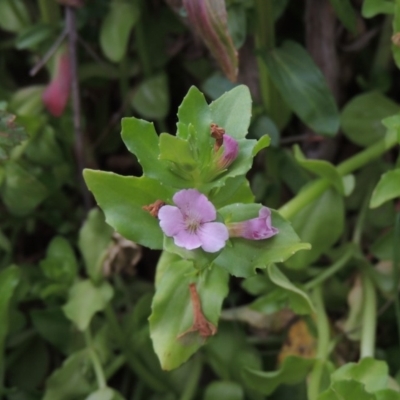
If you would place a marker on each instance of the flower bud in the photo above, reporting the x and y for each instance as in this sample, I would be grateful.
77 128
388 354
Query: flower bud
55 97
230 148
254 229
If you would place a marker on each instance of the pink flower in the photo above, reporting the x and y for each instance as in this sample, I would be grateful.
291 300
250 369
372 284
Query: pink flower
254 229
190 222
231 150
55 97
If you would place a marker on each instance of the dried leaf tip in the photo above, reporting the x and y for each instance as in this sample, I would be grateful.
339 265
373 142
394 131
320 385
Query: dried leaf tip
218 134
154 208
200 324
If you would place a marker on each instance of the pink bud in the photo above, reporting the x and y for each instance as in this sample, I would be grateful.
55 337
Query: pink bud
55 96
209 19
254 229
230 148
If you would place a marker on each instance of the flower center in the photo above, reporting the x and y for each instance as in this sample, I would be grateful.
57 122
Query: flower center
192 225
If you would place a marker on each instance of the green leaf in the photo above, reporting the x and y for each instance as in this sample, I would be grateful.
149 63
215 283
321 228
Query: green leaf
299 301
141 139
232 111
194 111
9 279
60 264
348 389
11 134
27 102
53 326
362 115
235 190
293 370
229 352
263 142
177 150
345 12
95 237
71 380
223 391
22 192
122 198
237 24
105 394
388 188
303 87
43 148
370 8
32 366
242 256
387 394
116 28
172 309
311 225
370 372
85 300
151 97
321 168
33 35
13 17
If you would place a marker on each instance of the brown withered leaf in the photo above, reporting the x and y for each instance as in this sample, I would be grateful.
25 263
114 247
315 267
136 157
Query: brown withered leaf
299 342
122 256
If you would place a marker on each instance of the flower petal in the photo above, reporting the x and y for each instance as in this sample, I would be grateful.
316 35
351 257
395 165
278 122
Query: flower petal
187 240
171 220
213 236
195 205
231 150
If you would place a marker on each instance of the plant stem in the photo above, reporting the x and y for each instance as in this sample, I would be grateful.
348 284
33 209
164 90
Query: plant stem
141 43
369 317
316 188
305 197
359 227
70 23
314 385
369 154
193 380
332 270
383 55
98 369
131 358
115 365
265 41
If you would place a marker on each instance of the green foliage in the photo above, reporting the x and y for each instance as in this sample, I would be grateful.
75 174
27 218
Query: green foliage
116 29
11 134
292 371
85 300
361 118
171 319
242 257
303 87
81 318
